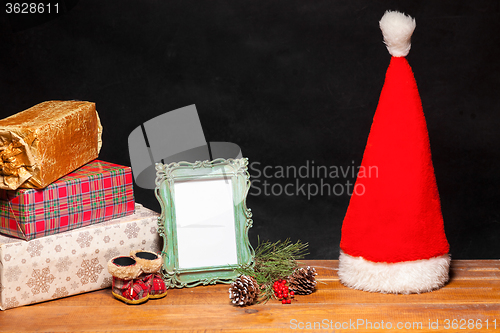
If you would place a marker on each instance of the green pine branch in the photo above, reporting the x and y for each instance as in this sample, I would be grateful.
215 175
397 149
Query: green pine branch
273 261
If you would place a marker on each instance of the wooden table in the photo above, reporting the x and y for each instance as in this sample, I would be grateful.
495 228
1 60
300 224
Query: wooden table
470 302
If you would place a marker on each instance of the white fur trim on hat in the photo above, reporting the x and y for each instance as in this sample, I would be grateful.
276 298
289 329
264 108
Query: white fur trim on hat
397 29
398 278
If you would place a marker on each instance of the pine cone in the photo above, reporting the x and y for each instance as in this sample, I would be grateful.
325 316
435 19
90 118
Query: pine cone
303 281
244 290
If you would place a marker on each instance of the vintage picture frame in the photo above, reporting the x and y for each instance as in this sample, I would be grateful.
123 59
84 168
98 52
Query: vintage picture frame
204 220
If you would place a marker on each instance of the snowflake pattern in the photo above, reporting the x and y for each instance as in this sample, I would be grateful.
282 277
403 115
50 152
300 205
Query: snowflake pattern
40 281
89 271
35 248
111 253
60 292
63 277
144 214
155 245
84 239
11 302
132 230
63 264
106 283
12 273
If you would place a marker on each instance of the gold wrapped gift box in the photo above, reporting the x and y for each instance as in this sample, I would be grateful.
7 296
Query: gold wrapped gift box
47 141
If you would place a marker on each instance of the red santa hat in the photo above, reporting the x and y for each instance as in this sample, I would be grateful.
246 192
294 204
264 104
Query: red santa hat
393 238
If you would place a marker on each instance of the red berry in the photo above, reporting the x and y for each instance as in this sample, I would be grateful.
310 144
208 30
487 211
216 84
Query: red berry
288 301
283 301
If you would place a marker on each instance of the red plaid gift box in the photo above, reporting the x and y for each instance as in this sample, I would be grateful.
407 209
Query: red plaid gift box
96 192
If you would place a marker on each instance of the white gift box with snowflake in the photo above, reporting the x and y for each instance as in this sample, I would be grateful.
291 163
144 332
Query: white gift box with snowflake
71 262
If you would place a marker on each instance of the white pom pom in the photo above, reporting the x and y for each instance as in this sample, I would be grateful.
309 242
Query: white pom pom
397 29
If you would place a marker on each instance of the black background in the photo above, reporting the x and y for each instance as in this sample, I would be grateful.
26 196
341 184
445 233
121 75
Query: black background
290 82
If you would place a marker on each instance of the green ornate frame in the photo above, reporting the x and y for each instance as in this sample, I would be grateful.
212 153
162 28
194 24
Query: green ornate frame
166 176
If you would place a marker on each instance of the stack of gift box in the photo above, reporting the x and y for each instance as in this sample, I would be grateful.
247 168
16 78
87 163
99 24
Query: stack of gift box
63 213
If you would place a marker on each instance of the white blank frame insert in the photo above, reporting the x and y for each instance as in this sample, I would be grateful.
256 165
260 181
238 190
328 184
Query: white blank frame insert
205 223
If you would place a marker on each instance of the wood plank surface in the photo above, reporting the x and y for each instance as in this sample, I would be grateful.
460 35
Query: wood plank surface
470 302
